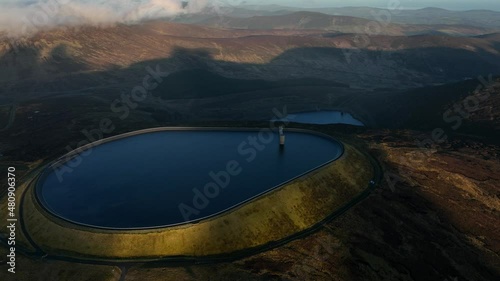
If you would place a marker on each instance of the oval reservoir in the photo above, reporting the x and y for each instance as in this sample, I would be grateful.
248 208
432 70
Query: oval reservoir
164 178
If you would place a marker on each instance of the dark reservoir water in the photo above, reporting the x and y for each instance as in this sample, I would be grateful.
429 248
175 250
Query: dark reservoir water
324 117
171 177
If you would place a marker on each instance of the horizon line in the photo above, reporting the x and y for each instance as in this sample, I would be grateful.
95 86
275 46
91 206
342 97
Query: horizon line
363 6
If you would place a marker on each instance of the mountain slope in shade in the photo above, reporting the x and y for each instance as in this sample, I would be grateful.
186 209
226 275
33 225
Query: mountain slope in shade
114 55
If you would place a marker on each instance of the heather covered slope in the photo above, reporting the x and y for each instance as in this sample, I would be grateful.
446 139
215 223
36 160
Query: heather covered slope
403 15
338 23
436 218
99 58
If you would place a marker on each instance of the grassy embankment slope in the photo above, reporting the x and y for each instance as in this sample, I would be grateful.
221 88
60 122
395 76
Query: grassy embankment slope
292 208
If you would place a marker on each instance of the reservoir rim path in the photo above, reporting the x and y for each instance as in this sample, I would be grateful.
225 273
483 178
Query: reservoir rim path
39 180
40 254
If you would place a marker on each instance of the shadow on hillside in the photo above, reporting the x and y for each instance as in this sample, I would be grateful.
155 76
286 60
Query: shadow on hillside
195 74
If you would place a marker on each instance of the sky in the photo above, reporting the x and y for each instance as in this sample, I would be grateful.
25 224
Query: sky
24 17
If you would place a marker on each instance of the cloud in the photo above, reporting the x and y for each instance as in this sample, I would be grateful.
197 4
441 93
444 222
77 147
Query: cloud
25 17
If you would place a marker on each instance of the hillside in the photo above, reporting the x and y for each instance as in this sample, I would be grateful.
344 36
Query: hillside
430 15
415 107
66 60
336 23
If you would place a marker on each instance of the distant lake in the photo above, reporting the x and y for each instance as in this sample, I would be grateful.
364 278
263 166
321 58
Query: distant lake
142 180
324 117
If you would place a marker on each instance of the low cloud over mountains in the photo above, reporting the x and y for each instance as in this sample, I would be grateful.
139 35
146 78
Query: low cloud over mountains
25 17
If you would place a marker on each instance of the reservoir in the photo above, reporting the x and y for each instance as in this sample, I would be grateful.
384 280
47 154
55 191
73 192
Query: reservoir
170 177
324 117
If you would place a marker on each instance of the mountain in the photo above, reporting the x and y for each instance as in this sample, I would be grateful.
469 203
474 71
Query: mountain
335 23
75 59
297 20
477 18
430 103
